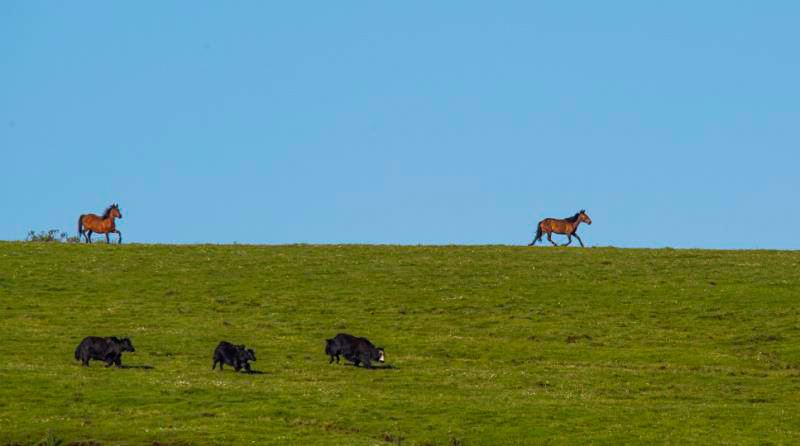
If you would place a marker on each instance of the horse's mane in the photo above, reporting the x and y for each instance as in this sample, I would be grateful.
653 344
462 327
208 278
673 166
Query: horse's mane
573 218
108 210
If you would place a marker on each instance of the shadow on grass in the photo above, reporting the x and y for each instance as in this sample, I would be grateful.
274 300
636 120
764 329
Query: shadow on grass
245 372
374 367
143 367
383 367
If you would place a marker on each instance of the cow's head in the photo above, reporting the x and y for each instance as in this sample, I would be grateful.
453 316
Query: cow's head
380 354
246 354
126 345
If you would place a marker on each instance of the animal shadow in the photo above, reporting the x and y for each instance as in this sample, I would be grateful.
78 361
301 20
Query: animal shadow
374 367
384 367
252 372
143 367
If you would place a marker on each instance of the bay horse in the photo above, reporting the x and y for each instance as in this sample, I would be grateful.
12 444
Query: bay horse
88 223
567 226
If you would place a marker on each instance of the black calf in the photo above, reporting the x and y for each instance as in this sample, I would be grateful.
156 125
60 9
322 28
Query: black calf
107 349
233 355
354 349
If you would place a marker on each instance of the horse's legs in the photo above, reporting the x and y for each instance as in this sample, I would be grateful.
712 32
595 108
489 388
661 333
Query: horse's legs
579 239
120 236
89 236
569 240
550 238
107 240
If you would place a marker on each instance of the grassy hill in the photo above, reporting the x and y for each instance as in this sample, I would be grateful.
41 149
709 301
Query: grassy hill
485 345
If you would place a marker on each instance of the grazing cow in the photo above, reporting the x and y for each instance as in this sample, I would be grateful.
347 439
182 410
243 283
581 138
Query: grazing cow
354 349
233 355
107 349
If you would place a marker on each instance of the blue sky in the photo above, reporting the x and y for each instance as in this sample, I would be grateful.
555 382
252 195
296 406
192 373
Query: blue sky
672 123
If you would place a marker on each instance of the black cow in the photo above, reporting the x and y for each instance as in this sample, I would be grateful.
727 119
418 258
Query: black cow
107 349
234 355
354 349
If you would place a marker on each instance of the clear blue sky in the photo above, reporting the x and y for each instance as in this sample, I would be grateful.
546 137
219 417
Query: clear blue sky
672 123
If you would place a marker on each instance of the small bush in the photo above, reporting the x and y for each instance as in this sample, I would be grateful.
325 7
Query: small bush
50 236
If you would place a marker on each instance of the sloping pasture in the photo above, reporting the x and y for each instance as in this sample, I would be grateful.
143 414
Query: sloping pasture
485 345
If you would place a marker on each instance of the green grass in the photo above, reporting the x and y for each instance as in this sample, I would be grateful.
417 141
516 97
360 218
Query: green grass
488 345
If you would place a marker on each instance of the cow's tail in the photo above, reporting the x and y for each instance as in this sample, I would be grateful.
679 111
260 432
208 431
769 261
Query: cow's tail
80 225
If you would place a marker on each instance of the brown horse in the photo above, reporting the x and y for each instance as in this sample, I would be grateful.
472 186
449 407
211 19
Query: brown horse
101 225
566 226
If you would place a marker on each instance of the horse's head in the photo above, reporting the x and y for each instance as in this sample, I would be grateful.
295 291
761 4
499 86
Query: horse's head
115 212
582 216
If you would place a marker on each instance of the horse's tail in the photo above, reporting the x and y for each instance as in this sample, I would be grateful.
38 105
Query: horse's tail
538 233
80 225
